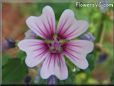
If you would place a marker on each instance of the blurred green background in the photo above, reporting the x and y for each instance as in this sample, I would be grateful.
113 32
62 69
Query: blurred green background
101 60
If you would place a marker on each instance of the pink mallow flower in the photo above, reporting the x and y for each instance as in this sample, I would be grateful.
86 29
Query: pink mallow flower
56 43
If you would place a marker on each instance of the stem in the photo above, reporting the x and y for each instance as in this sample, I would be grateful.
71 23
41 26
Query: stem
101 30
112 77
102 36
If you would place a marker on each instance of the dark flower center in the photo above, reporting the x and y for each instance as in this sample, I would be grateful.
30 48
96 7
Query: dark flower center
55 45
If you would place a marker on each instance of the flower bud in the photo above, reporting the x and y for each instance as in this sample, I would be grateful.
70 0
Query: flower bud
29 34
102 57
27 79
52 80
88 36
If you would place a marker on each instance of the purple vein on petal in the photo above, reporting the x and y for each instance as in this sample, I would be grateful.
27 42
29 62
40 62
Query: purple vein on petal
53 27
54 60
36 44
43 52
69 44
61 26
41 30
73 50
71 55
66 29
36 30
40 48
59 59
45 27
70 34
50 27
49 60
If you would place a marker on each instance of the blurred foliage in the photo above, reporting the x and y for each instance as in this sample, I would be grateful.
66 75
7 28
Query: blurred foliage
14 69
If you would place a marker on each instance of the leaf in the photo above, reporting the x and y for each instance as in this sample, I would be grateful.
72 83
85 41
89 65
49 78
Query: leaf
13 72
112 77
21 55
5 58
91 60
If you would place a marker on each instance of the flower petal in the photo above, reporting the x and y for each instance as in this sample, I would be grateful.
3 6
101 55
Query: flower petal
77 51
77 28
54 65
36 51
69 27
66 20
44 25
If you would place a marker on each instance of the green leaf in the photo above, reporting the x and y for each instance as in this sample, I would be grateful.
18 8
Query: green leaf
112 77
21 55
13 72
5 58
91 60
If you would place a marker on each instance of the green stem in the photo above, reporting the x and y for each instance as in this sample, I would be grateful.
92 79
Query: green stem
112 77
101 30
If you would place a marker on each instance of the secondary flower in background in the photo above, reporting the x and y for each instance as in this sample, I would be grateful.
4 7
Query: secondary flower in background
56 43
88 36
103 5
102 57
52 80
30 34
7 43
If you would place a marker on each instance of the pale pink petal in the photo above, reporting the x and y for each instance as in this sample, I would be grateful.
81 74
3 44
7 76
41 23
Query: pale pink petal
50 16
44 25
77 28
77 51
66 20
81 46
34 59
69 27
54 65
36 51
